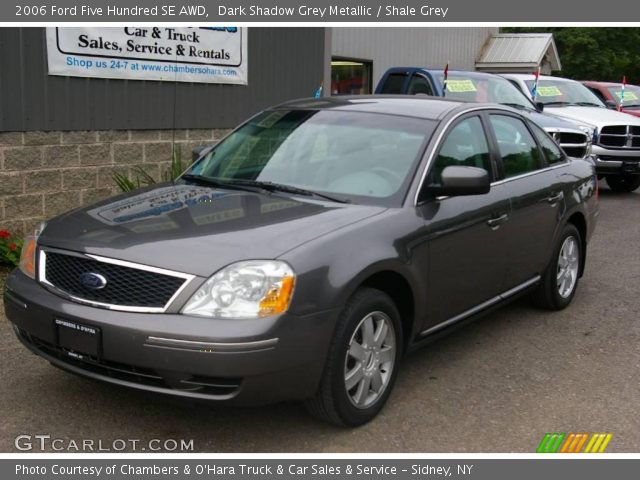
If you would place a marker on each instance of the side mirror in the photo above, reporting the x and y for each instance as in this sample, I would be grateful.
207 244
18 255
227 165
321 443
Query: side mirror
459 180
539 107
611 104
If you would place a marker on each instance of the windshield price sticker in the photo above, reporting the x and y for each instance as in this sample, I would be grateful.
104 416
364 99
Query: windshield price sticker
461 86
550 91
627 95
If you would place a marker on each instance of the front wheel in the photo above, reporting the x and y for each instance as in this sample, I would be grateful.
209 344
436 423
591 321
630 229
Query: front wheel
362 362
560 280
623 183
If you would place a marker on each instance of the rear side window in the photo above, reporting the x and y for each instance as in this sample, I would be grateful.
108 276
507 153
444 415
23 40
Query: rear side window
551 150
418 84
465 145
518 148
394 83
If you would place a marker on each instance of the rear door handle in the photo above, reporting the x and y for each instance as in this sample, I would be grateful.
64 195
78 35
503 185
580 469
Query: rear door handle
553 199
495 222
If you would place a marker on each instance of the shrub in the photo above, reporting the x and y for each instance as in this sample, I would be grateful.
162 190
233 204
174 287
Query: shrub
142 178
10 247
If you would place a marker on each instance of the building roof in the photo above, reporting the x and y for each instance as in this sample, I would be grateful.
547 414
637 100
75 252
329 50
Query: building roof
519 51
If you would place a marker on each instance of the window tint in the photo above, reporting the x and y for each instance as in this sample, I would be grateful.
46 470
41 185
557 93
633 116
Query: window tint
465 145
518 149
419 84
551 150
394 83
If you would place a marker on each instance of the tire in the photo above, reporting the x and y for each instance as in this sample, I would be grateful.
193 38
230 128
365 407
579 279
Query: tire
358 401
623 183
555 293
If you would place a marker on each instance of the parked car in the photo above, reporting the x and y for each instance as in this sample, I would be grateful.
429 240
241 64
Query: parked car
616 143
574 139
307 252
611 95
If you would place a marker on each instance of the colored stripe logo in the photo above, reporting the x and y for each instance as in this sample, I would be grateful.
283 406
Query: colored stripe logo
574 443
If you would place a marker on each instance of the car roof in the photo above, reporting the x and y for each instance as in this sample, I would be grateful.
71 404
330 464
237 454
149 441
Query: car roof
608 84
419 106
602 84
438 71
530 76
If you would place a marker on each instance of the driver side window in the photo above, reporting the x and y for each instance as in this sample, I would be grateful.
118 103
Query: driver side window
465 145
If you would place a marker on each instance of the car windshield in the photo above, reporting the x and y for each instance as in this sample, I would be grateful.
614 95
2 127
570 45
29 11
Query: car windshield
484 89
563 93
631 95
355 156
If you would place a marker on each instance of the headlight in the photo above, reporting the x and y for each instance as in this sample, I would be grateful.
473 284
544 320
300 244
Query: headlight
251 289
28 253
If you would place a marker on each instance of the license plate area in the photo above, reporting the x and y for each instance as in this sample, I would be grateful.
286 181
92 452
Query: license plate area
78 340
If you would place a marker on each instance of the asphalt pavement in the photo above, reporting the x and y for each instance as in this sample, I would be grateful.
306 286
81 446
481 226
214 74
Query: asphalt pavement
497 385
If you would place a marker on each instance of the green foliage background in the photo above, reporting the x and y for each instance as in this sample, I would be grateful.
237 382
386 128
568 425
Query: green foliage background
595 53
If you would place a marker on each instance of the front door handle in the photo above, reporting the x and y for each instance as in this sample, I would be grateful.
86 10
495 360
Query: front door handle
553 199
495 222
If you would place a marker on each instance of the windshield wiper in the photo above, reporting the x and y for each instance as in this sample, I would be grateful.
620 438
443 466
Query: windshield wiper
587 104
217 183
548 104
281 187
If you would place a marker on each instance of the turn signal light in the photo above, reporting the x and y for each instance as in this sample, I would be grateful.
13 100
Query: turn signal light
28 257
277 299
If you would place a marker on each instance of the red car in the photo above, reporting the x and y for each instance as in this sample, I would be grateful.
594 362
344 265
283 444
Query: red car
610 93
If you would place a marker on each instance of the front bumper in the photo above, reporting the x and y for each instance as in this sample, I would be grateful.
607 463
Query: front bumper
245 362
616 162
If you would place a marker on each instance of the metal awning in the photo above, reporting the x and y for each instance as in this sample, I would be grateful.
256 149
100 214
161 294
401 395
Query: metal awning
519 53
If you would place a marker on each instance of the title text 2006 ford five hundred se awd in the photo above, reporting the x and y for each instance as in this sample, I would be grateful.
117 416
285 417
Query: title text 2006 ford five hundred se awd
305 253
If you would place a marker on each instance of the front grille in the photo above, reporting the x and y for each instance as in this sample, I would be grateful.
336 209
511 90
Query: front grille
573 144
214 386
620 136
568 137
125 286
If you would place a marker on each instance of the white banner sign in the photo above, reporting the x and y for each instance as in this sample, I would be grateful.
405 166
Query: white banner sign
206 54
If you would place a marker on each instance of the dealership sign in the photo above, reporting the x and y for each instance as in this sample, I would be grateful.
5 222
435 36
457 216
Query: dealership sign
207 54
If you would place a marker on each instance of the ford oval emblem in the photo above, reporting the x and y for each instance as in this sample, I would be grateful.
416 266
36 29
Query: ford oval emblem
94 281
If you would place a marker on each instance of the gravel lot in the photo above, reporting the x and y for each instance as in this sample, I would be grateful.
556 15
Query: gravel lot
495 386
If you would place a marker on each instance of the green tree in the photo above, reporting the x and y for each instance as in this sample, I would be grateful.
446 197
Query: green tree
595 53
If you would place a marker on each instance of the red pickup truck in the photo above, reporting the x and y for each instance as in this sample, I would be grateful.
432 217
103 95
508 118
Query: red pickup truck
611 93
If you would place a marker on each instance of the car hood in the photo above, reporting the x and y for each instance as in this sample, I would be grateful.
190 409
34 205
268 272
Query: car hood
198 229
550 122
598 117
634 112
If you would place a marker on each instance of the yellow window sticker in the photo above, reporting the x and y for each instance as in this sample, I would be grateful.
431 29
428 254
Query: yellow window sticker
551 91
461 86
627 95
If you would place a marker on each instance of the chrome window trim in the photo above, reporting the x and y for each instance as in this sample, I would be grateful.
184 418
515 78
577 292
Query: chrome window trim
438 143
42 279
564 163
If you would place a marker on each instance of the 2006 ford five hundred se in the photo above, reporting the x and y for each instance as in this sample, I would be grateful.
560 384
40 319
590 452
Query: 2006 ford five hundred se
302 256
